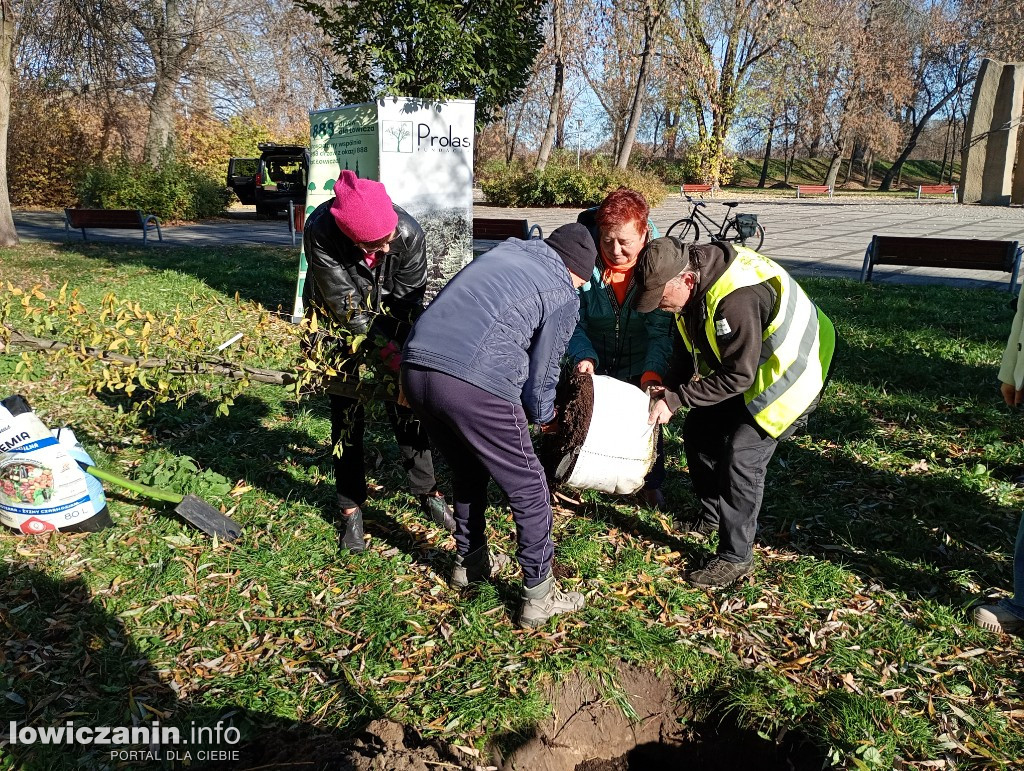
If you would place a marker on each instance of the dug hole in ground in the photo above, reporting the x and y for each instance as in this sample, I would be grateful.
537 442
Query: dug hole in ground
631 720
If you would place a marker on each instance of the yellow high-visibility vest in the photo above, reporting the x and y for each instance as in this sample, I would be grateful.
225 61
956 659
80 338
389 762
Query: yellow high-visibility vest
796 346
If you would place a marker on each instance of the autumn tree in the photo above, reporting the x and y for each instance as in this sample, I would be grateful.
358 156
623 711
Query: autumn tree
863 58
719 43
619 63
8 235
944 56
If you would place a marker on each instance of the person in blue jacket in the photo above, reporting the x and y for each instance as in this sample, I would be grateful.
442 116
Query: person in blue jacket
611 337
479 366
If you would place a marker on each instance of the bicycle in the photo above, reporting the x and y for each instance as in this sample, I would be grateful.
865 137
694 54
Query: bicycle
743 229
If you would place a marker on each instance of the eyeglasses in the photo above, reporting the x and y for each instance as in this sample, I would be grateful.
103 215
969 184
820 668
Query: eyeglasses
373 247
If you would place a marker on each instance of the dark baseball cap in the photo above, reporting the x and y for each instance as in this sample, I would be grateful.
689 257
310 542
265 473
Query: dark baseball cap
660 261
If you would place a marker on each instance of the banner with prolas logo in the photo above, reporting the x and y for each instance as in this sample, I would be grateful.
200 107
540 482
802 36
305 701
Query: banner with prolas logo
423 153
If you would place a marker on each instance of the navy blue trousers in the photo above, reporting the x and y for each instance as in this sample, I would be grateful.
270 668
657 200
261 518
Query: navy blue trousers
485 437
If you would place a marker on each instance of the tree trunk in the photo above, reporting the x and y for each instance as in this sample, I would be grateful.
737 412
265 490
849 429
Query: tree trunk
869 167
651 17
833 167
160 132
912 140
849 171
767 156
8 234
945 149
671 133
556 92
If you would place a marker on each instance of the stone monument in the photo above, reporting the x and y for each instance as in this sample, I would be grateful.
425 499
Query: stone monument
994 140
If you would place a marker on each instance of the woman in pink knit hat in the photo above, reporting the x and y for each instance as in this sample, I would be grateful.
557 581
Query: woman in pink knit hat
368 271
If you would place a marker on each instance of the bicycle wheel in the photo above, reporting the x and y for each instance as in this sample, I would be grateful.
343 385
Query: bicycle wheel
732 233
688 232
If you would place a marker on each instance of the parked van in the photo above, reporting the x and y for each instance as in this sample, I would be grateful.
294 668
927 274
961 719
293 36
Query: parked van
277 177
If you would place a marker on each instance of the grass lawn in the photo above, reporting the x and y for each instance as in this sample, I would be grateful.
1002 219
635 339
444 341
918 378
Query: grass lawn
812 171
880 527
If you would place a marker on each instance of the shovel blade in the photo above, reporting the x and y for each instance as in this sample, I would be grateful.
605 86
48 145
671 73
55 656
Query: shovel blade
208 519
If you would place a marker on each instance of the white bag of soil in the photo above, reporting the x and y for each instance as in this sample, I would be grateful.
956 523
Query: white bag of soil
618 445
42 486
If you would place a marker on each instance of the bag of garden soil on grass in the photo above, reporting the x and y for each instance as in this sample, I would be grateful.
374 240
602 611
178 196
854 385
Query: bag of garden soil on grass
42 487
604 442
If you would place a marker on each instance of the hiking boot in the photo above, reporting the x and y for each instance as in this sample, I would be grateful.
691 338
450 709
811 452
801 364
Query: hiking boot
699 527
545 600
437 510
651 498
996 618
480 565
718 572
352 538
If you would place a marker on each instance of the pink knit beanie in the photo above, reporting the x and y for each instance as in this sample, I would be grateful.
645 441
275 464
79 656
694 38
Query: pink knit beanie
363 209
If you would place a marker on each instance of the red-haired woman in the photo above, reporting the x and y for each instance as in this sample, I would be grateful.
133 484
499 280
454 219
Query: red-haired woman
611 338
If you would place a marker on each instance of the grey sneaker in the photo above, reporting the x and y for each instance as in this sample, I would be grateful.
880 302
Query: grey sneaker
436 508
718 572
545 600
996 618
352 538
480 565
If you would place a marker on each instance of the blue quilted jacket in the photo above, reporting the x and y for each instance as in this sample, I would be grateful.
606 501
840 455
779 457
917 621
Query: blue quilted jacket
502 324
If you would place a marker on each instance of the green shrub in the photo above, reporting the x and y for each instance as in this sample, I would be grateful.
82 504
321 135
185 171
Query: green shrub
172 191
565 185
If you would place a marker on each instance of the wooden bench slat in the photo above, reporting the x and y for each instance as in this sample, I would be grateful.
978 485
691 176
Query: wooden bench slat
687 187
936 190
822 189
116 219
490 228
953 253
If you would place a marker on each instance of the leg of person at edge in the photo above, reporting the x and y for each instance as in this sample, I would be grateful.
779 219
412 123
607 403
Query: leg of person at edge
367 272
756 354
481 363
1007 616
611 337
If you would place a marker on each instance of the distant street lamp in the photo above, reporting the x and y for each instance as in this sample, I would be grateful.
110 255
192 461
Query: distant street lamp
579 140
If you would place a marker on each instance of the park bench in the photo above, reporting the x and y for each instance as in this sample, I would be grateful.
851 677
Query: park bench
688 188
499 229
491 230
296 219
814 190
121 219
955 253
936 190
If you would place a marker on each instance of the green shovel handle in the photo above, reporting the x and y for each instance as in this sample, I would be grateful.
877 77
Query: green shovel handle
137 487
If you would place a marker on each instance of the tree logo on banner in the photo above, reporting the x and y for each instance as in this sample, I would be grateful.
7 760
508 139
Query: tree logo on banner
400 133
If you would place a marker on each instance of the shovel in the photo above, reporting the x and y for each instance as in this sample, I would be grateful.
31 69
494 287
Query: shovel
189 507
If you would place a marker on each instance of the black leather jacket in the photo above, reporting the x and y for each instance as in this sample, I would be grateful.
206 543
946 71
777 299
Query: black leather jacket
382 301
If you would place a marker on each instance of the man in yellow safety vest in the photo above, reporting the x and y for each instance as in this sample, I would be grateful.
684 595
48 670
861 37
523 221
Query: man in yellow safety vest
754 359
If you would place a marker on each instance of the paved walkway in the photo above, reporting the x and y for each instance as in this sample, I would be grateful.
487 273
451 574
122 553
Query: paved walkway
818 237
814 237
240 226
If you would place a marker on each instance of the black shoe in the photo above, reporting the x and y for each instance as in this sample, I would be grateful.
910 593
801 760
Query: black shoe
438 511
718 572
699 527
352 538
480 565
